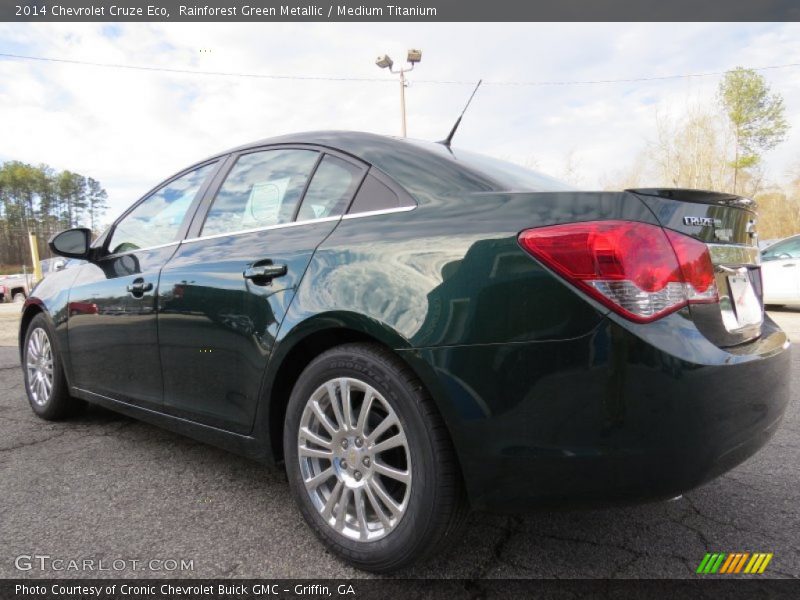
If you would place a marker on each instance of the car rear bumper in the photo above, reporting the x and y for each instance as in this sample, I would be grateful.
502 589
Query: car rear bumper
627 413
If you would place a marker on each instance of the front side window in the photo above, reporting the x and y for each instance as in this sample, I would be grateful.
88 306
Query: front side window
157 220
262 189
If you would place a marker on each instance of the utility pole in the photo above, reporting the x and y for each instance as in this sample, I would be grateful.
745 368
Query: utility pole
384 62
403 100
37 268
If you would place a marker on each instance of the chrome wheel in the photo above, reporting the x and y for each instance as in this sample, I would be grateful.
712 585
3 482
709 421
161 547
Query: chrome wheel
39 365
354 459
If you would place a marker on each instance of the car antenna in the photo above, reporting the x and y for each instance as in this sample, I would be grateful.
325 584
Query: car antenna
450 135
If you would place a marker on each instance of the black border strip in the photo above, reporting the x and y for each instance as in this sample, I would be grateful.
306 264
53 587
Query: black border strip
731 587
256 11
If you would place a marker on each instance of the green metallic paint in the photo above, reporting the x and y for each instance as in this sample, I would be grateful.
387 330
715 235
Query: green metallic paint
106 320
548 397
217 329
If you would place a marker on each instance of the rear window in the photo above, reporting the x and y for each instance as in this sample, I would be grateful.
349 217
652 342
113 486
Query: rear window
427 170
331 189
512 177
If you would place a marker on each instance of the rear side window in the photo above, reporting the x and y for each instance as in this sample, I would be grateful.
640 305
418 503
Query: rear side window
157 219
376 195
262 189
330 191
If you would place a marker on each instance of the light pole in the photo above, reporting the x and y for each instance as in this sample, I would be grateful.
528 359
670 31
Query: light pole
384 62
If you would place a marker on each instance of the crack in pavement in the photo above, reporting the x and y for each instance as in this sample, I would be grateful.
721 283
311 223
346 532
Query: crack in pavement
32 443
509 529
577 540
699 513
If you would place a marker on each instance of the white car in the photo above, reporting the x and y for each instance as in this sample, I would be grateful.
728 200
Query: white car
780 272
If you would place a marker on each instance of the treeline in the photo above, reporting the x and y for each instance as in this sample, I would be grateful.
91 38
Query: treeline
719 146
43 201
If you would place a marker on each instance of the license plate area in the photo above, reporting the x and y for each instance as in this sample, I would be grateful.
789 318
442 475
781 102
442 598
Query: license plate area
743 307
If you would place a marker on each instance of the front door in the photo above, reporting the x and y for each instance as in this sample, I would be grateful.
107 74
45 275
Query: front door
112 324
224 293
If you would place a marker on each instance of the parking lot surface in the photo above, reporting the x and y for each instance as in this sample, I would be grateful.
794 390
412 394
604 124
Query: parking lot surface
103 486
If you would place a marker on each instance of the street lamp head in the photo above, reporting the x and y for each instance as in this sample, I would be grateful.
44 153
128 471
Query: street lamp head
414 56
384 62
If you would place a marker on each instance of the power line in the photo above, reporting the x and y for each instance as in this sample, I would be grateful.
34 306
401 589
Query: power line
379 79
600 81
190 71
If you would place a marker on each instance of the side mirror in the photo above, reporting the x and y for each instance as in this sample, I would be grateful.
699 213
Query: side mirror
72 243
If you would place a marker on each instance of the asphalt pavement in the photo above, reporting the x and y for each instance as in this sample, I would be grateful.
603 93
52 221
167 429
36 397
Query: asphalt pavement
103 487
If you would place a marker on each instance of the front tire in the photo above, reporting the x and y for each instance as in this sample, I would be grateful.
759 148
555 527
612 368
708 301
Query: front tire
369 461
45 382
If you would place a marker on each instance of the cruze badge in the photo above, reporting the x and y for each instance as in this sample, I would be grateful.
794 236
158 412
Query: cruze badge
702 221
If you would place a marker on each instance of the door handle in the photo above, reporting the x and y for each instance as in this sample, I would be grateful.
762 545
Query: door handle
264 272
139 287
788 265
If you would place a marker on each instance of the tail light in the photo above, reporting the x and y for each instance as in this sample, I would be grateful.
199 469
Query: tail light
640 271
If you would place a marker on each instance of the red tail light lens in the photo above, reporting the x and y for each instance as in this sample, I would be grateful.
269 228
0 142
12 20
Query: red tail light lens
695 262
640 271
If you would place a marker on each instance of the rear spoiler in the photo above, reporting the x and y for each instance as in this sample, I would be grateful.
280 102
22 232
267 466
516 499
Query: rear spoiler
698 197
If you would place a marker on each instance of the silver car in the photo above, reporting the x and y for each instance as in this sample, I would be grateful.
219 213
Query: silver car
780 272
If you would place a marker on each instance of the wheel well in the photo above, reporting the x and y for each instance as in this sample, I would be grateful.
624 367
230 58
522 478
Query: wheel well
292 366
27 316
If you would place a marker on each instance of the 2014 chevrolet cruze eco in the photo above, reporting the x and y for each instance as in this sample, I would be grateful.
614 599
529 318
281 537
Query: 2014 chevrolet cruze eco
414 330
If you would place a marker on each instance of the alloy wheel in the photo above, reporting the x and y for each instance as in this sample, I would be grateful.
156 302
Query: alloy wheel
354 459
39 364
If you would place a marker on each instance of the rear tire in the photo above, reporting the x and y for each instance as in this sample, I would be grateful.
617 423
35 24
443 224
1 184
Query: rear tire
395 460
45 382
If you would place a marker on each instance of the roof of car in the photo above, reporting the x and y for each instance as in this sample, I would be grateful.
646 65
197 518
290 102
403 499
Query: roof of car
357 143
422 168
425 169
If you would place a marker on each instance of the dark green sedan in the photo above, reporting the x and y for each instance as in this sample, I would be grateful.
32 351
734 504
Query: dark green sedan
413 331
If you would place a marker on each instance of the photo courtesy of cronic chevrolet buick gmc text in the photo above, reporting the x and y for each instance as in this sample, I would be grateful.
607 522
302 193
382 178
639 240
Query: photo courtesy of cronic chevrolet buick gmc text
413 331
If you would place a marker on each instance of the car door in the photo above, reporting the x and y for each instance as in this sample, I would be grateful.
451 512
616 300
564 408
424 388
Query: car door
226 290
780 272
112 325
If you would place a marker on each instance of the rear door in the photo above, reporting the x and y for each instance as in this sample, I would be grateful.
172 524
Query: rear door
224 293
112 328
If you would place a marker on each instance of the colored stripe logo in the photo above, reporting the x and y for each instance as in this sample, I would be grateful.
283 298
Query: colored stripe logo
734 562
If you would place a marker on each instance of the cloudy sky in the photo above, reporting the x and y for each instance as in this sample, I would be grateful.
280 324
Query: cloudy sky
130 128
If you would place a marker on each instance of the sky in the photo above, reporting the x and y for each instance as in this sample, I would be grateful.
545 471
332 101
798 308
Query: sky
131 129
